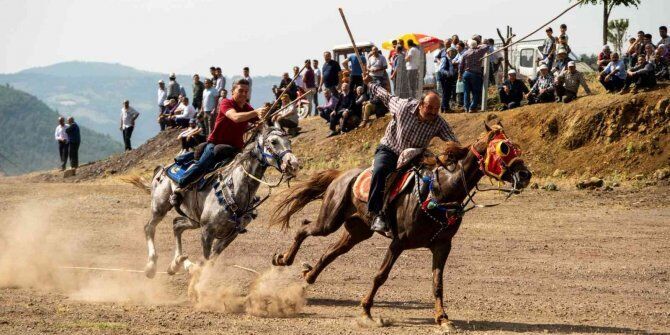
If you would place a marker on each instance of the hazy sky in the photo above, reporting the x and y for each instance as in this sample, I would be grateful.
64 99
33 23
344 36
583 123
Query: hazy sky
269 36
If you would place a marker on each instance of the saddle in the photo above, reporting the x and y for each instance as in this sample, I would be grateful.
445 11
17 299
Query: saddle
396 182
182 163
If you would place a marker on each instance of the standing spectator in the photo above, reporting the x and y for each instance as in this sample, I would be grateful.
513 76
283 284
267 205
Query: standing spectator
309 84
198 88
220 83
317 82
413 62
460 49
512 91
604 57
74 139
283 86
128 117
665 39
543 89
161 96
447 77
330 106
209 100
287 116
377 69
564 32
399 75
567 84
613 76
392 53
470 71
356 75
330 73
173 89
299 82
212 74
549 48
247 77
641 75
186 113
61 138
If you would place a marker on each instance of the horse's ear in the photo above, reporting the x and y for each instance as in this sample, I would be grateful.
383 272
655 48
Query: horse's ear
500 124
487 126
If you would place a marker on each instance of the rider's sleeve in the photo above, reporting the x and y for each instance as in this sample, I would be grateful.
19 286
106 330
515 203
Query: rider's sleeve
445 133
390 101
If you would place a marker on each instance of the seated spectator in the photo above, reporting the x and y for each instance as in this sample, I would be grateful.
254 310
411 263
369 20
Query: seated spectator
647 40
562 61
511 92
184 113
604 58
641 75
346 116
649 53
613 76
362 103
164 119
330 106
287 116
567 84
193 135
628 56
543 89
661 64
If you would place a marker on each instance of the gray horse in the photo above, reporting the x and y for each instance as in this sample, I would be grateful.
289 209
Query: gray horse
222 207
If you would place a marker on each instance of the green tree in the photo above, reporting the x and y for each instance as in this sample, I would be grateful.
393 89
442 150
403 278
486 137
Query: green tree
608 5
616 32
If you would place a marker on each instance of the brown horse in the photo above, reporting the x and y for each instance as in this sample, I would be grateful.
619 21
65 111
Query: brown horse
421 220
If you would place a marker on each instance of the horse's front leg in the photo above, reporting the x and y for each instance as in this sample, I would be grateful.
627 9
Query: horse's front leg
207 238
392 255
440 255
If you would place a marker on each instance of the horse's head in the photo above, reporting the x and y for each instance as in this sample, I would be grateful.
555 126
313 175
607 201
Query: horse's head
500 158
274 149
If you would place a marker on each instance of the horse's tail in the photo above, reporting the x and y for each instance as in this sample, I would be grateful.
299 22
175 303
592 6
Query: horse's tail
140 182
303 194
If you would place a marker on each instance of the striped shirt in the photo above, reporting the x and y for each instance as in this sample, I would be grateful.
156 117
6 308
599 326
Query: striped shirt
406 130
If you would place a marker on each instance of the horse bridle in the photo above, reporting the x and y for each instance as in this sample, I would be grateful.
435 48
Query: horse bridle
275 158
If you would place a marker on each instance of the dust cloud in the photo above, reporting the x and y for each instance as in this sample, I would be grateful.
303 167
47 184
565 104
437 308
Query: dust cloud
35 245
277 292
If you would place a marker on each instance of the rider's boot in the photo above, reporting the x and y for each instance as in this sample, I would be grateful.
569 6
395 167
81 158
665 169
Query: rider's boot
379 224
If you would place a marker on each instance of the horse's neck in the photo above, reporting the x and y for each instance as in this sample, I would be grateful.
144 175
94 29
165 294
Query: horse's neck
468 171
244 186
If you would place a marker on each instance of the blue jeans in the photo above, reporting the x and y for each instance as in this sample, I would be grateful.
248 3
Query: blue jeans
472 92
211 155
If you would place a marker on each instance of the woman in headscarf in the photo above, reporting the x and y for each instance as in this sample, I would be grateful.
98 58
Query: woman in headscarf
399 75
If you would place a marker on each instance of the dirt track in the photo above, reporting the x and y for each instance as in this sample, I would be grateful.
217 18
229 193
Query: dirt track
560 262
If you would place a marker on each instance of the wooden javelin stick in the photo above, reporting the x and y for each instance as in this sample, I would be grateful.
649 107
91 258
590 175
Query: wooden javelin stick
536 30
279 98
290 103
353 43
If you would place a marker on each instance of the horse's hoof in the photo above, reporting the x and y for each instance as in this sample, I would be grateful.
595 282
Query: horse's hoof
306 269
447 326
150 270
277 259
365 321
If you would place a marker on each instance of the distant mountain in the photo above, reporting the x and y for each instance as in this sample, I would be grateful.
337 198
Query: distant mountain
92 92
27 126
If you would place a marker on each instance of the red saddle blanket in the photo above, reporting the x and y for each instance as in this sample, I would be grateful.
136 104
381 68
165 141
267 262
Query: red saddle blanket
362 185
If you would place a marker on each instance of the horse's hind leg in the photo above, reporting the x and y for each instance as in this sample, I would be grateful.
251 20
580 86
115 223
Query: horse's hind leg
160 205
179 225
356 232
286 259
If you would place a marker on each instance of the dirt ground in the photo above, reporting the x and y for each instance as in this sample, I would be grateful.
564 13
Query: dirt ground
559 262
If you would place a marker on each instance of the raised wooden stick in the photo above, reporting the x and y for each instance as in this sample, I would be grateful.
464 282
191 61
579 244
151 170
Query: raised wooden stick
536 30
353 43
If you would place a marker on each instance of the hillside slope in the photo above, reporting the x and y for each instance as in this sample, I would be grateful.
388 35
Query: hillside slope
27 126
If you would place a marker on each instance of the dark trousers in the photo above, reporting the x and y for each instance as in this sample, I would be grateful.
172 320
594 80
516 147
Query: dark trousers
63 150
507 101
161 122
325 114
448 85
208 159
547 96
127 133
182 122
564 95
355 81
74 154
385 164
614 84
316 100
641 81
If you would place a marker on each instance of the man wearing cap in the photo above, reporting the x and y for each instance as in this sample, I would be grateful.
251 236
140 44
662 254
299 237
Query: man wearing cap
128 117
543 89
567 84
173 89
561 64
613 76
512 91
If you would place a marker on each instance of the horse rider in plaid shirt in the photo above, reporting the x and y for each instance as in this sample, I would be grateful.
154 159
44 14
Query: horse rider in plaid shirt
414 124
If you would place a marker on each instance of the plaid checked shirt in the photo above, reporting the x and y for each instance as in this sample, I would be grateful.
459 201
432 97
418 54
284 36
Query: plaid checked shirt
471 59
405 129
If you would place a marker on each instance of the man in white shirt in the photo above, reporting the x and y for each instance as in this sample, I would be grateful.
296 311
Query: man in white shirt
377 68
186 113
161 96
128 117
209 99
220 83
412 63
61 138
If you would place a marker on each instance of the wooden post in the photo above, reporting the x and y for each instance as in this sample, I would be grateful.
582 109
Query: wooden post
485 85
